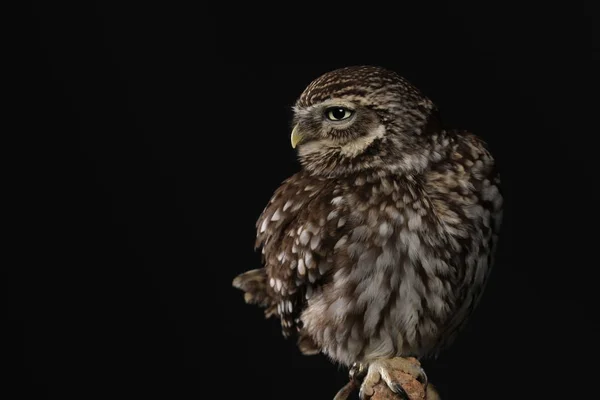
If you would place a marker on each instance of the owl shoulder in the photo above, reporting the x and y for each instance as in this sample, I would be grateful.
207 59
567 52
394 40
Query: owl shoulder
464 162
464 177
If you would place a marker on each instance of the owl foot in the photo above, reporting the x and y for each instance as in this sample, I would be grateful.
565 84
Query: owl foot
356 374
390 371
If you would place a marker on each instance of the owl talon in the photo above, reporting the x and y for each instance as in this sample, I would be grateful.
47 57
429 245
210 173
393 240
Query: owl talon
357 372
387 370
399 390
422 378
367 389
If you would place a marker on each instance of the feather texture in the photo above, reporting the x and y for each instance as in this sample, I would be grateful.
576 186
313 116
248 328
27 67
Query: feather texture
382 251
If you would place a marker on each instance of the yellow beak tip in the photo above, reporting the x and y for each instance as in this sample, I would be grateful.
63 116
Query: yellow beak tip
296 137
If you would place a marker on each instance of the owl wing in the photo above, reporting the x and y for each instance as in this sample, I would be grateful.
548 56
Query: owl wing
295 230
465 194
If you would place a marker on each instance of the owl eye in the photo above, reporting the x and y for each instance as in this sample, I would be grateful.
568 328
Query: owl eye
338 113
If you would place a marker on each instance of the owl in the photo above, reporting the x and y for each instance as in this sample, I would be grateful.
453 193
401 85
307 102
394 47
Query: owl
380 247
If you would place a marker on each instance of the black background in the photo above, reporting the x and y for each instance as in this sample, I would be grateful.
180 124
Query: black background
154 135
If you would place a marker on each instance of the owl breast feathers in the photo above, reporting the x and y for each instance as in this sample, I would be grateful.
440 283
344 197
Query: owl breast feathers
382 244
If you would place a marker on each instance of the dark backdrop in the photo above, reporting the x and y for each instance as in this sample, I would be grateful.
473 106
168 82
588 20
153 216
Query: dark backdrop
152 138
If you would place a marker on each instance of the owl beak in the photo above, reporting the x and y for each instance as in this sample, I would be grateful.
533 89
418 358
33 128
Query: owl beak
296 137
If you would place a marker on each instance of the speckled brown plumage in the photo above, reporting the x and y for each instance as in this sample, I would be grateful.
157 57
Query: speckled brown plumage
382 244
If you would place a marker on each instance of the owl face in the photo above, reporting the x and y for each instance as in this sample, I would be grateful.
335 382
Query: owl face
356 118
335 124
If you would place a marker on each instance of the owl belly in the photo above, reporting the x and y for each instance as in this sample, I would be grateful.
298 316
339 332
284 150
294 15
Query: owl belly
377 322
391 292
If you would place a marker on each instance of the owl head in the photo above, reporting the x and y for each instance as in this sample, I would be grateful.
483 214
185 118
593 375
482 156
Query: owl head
359 118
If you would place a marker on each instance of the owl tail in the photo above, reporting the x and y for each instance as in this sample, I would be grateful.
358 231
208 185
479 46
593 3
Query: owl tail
306 345
254 284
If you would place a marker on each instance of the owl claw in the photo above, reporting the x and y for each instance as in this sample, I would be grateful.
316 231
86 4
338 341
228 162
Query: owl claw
399 390
367 388
357 372
422 378
387 370
368 376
